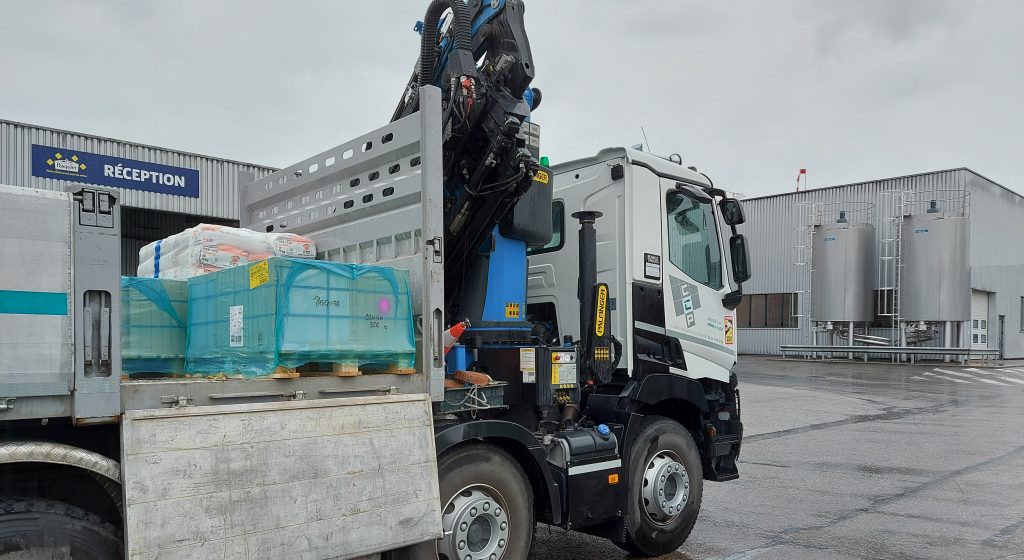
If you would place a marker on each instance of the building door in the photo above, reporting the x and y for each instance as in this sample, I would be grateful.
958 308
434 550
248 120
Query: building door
979 319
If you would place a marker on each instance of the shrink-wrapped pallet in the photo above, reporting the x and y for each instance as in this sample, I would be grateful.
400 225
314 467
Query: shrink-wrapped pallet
288 312
208 248
154 313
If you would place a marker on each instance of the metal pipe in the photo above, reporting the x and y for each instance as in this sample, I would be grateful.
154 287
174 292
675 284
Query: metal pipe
903 340
587 270
850 334
867 333
947 339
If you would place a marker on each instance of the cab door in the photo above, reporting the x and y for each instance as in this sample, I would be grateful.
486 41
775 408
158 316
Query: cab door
695 281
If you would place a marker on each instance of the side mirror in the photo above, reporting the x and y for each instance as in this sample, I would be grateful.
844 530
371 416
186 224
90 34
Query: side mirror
740 260
732 211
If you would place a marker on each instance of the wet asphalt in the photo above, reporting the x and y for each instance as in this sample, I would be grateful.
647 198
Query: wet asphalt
860 461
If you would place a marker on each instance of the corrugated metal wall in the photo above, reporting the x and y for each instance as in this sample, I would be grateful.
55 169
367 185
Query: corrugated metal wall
996 212
218 179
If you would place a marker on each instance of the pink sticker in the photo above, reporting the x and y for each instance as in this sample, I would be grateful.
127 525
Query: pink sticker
383 306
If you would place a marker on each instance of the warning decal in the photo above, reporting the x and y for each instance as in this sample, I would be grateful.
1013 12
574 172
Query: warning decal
259 274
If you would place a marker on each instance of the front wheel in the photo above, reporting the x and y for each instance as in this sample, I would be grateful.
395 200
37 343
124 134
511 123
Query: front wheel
487 507
666 487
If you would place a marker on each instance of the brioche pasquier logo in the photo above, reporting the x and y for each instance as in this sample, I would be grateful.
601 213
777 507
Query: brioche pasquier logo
64 164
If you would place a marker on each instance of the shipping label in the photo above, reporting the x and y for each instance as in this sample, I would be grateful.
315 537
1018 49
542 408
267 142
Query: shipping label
236 326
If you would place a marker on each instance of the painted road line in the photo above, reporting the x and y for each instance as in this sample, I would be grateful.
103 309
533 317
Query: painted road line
1011 379
956 373
982 379
946 378
1012 372
919 378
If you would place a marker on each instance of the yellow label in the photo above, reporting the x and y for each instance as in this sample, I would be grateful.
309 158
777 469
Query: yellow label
511 310
730 332
259 274
602 309
554 374
542 177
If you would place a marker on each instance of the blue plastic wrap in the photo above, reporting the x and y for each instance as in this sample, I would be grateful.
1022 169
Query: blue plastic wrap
153 322
289 312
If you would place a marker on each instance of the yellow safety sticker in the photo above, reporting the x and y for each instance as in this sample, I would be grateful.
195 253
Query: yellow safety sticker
730 333
602 309
542 177
259 274
554 374
511 310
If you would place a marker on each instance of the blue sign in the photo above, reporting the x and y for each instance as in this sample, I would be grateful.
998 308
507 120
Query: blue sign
96 169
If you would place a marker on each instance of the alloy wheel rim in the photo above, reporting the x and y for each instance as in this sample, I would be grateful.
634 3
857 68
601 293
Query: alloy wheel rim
475 524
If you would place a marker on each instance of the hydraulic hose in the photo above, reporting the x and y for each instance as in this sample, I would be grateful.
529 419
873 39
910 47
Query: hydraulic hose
462 35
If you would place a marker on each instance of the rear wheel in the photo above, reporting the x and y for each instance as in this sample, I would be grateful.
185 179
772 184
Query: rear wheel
487 507
33 528
666 487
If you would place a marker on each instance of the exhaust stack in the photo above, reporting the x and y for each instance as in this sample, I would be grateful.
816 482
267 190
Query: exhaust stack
595 328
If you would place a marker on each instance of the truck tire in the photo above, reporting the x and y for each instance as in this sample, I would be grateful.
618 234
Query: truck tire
666 486
33 528
487 507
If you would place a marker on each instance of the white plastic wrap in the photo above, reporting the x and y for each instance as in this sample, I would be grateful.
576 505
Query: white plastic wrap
209 248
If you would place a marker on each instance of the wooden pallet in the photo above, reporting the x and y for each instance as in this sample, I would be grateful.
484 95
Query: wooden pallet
284 373
351 370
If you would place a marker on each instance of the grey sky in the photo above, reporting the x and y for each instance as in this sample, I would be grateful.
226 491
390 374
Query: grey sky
749 92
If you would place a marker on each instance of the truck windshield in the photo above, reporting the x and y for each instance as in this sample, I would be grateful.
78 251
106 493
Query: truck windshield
693 239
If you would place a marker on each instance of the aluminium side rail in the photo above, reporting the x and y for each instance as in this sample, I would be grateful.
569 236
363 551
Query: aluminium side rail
788 349
376 199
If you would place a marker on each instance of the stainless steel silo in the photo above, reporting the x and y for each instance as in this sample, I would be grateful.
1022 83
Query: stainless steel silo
936 276
843 272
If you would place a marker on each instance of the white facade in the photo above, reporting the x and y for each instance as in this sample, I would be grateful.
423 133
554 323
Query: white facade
996 258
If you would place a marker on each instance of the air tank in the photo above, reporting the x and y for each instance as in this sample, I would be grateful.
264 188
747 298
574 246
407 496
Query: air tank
936 282
842 255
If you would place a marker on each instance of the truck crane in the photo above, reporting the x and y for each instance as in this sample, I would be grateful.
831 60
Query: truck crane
597 297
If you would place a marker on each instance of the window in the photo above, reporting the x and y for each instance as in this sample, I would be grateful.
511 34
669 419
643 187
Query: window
772 311
557 230
693 239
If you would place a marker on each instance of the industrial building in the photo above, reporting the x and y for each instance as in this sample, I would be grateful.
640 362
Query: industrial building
928 260
162 191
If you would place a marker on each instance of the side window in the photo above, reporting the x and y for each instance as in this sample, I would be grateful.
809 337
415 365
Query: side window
693 239
558 228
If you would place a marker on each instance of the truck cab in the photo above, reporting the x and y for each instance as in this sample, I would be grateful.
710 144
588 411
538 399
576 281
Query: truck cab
659 250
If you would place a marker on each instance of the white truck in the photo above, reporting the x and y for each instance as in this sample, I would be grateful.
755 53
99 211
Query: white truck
611 345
